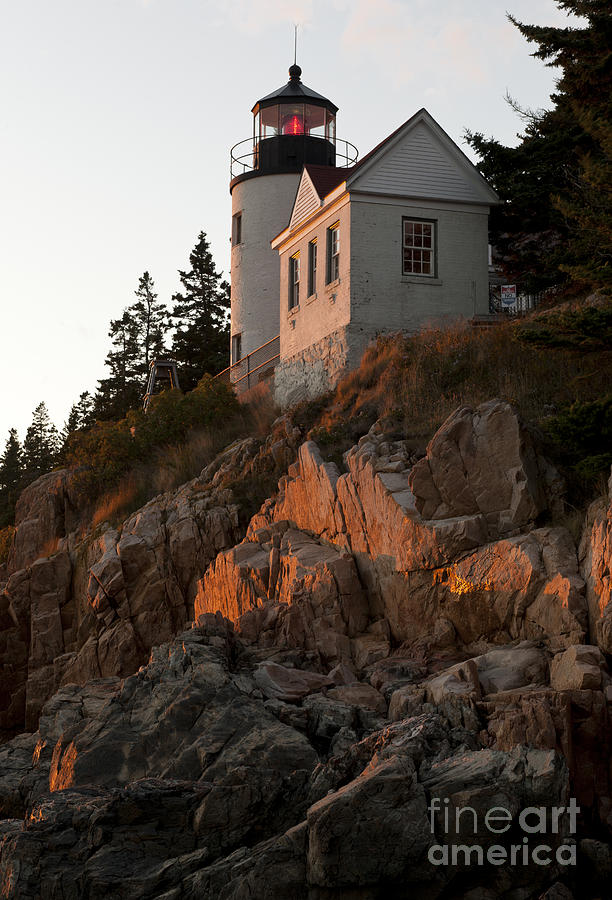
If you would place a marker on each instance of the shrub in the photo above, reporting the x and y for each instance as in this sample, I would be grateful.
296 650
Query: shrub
582 434
105 453
115 505
585 328
413 383
6 542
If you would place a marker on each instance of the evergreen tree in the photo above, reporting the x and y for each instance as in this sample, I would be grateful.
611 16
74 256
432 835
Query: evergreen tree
588 209
201 340
528 233
11 473
556 183
124 388
585 89
137 338
81 416
152 322
41 445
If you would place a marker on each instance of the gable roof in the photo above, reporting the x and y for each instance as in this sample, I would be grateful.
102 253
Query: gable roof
315 184
326 178
419 159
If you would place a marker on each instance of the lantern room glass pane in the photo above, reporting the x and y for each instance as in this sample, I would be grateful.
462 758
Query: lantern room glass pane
315 120
292 118
268 122
330 127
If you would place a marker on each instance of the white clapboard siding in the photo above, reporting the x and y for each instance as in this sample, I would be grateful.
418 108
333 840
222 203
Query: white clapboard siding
419 165
306 201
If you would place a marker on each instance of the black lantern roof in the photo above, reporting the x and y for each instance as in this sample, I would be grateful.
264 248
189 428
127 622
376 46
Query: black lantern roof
293 91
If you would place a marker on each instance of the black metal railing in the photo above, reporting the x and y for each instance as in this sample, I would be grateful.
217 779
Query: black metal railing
253 368
524 300
244 156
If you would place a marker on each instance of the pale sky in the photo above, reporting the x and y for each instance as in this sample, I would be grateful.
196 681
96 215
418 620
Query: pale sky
117 118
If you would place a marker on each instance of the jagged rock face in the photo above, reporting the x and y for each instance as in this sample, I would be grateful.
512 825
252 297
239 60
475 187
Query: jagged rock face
46 512
477 561
139 593
183 780
288 590
38 610
290 750
596 567
97 606
484 462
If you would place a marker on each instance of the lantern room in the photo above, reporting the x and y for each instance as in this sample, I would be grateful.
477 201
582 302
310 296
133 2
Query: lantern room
292 126
294 109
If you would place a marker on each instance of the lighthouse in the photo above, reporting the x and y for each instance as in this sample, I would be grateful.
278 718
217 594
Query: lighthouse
292 126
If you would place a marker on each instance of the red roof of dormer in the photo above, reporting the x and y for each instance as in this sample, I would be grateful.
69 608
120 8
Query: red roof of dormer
326 178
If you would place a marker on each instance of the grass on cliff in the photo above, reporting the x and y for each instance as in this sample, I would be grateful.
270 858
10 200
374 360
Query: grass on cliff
6 540
555 367
119 466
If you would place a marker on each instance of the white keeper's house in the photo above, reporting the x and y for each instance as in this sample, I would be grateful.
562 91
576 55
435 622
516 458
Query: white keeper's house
328 252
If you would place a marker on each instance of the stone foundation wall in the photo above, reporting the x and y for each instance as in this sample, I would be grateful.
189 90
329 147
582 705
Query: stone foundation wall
318 368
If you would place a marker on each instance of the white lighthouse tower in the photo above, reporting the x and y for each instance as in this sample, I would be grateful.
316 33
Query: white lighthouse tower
291 127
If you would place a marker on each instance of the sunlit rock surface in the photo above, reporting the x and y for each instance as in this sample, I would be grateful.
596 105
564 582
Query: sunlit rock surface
596 566
477 559
412 627
97 605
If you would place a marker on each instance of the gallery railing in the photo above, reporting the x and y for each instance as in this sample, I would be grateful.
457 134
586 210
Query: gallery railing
244 156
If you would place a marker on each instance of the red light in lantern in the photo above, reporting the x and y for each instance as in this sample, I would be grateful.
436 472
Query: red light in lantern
293 125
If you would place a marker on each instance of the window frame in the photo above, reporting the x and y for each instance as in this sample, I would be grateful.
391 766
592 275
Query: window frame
236 348
294 280
237 229
333 253
312 267
414 246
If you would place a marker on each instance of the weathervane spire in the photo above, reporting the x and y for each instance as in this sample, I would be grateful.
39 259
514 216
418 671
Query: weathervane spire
295 28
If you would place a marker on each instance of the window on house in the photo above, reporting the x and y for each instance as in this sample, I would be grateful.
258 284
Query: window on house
418 247
236 229
312 268
294 281
333 253
236 348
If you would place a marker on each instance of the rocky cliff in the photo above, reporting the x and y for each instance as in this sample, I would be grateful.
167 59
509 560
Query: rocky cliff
289 707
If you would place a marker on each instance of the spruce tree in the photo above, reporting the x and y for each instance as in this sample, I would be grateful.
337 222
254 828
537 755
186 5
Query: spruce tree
41 445
124 388
81 416
588 209
555 219
528 233
584 54
152 323
11 474
137 338
201 339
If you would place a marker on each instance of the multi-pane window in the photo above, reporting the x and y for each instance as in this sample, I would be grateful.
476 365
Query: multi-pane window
312 268
418 247
236 229
294 281
333 253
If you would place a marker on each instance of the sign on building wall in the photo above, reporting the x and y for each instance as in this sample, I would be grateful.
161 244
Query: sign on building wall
508 295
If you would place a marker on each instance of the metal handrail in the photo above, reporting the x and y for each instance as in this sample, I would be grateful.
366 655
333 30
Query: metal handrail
251 372
248 161
241 373
253 366
241 361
